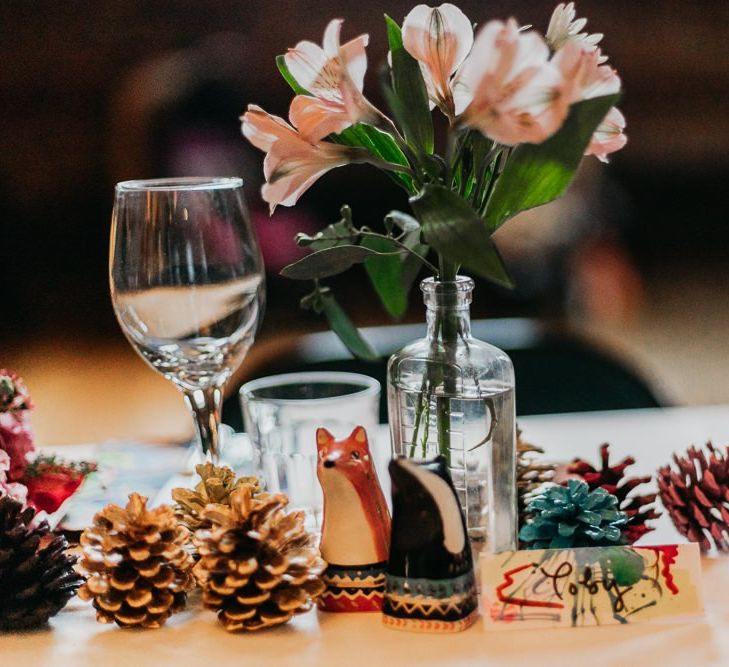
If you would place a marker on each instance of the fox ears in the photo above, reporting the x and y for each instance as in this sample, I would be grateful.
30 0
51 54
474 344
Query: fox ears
325 439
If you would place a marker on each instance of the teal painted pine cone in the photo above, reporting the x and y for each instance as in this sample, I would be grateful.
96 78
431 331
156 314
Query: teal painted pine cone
573 516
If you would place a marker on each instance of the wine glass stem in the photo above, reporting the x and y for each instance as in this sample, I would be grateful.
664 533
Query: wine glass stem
206 407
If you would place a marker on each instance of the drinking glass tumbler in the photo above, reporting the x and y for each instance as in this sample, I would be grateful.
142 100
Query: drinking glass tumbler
281 414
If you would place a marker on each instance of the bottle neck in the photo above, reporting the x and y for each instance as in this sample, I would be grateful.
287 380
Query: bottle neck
447 303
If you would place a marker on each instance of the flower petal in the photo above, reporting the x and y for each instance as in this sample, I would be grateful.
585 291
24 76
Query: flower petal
440 38
354 57
608 136
262 129
585 76
315 118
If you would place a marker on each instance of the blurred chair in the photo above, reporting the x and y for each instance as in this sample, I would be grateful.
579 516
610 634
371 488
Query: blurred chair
556 371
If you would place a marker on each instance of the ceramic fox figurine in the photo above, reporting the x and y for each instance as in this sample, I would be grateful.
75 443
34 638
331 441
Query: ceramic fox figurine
356 526
430 583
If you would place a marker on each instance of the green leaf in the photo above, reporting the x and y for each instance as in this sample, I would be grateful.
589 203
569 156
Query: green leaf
457 232
402 220
539 173
345 330
408 96
286 74
327 262
336 234
381 145
385 274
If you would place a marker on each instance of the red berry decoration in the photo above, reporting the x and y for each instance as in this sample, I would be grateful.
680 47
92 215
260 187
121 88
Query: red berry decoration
696 496
639 507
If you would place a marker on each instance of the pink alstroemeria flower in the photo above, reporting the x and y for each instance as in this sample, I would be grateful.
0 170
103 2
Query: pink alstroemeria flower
439 38
292 164
609 136
509 89
333 74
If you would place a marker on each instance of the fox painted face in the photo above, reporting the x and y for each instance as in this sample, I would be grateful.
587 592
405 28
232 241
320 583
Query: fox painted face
356 527
352 453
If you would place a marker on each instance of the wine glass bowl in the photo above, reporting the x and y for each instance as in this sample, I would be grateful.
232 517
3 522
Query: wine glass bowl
187 285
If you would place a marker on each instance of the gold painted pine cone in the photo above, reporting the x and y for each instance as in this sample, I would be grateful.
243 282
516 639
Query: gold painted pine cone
531 474
139 571
258 565
215 486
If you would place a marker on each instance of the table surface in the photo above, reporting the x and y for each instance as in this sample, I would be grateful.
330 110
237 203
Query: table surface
194 638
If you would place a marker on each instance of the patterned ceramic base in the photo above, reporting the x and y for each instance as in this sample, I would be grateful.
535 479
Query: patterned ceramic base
430 605
353 589
421 625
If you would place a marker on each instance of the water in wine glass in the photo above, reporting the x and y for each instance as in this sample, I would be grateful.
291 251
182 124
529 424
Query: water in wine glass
192 334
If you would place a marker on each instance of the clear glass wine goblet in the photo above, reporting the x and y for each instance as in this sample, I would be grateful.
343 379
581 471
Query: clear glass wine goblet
187 285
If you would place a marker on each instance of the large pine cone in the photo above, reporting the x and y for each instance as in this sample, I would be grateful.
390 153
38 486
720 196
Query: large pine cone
37 578
139 570
640 508
696 496
258 565
215 486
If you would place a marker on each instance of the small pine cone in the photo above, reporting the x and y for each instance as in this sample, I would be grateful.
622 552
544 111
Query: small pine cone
696 496
139 571
572 516
258 564
37 578
531 474
640 507
215 486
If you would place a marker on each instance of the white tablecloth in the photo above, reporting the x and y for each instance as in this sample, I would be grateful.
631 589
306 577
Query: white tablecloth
194 638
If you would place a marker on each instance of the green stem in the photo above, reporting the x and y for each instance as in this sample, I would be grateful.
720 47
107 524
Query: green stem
449 337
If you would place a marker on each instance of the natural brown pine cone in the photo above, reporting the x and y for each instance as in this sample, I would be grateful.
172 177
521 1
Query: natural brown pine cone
37 578
531 474
640 508
215 486
696 496
258 565
139 570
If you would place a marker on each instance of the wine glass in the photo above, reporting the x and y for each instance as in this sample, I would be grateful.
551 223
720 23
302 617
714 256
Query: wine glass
187 285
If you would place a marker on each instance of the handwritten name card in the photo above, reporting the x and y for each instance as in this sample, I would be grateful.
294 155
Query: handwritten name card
591 586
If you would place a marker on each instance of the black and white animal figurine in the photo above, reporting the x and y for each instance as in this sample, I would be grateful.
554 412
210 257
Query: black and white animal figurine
430 583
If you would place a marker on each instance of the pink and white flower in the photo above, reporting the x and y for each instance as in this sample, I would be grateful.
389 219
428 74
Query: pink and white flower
564 28
609 136
439 38
333 75
292 164
508 88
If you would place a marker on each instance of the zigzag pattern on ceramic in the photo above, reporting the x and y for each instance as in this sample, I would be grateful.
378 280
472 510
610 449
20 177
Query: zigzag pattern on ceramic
348 589
421 625
442 600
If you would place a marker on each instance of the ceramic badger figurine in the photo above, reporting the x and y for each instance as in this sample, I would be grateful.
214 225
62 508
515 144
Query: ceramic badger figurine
356 526
430 583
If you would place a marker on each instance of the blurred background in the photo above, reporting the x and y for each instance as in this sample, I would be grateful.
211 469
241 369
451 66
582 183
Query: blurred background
632 261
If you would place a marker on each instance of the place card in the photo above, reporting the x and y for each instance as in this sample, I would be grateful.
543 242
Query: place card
590 586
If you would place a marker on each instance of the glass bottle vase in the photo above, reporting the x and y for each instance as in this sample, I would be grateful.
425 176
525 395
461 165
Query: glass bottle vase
451 394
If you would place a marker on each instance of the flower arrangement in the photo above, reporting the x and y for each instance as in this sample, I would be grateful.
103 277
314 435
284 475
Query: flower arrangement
521 111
